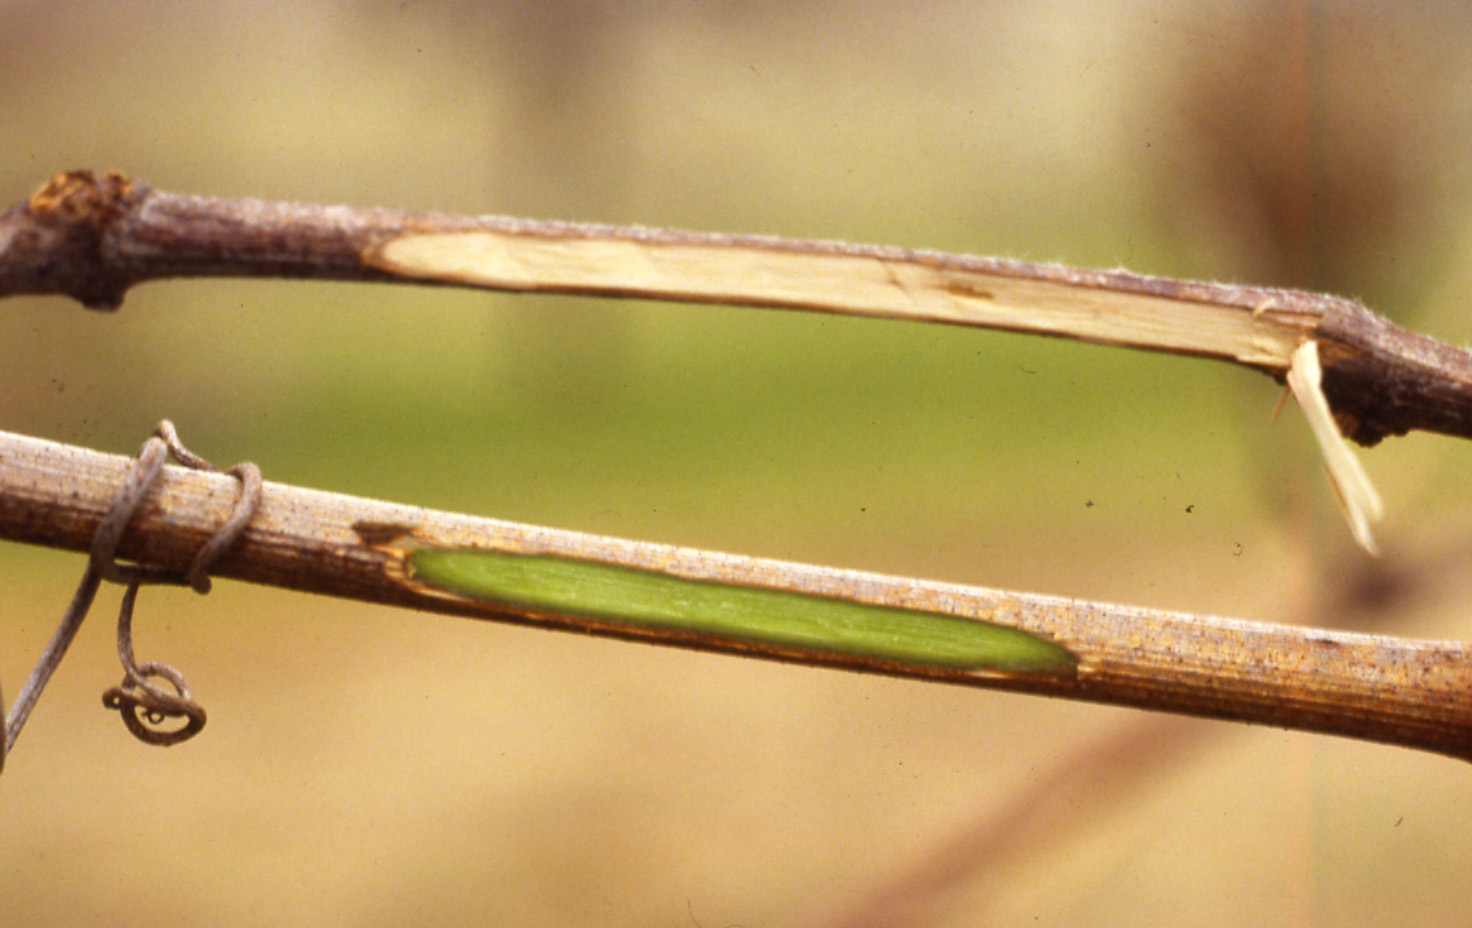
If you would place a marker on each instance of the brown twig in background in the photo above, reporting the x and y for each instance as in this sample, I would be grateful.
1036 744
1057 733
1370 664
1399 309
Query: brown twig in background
1090 780
92 237
1411 693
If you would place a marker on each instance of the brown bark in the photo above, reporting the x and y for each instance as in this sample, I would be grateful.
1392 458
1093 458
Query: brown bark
1411 693
92 237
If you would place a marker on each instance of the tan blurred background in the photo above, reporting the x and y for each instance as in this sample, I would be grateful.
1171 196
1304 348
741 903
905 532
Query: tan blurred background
365 766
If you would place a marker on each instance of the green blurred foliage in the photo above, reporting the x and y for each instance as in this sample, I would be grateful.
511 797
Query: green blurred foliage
550 779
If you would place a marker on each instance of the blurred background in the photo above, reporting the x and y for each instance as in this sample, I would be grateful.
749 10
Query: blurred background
366 766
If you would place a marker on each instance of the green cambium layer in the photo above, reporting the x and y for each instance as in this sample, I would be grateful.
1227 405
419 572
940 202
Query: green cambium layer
644 599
